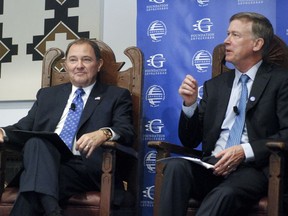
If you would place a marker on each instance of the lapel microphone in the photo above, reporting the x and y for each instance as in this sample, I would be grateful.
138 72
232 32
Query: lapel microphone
73 107
236 110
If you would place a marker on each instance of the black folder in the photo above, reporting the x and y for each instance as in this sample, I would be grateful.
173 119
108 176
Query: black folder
51 136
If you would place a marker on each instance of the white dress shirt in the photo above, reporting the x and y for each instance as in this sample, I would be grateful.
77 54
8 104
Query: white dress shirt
60 124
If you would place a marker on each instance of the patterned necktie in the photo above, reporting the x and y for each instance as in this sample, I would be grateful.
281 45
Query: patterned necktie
71 123
237 128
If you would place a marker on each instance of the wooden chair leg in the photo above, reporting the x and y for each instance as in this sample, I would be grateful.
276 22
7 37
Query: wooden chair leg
161 153
158 186
275 192
277 173
107 184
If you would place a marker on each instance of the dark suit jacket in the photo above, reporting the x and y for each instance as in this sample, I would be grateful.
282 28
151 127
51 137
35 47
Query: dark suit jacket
107 106
266 116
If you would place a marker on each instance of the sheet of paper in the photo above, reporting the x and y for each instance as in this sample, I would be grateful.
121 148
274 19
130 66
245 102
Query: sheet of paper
195 160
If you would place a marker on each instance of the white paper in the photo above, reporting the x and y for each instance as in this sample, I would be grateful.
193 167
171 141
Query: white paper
195 160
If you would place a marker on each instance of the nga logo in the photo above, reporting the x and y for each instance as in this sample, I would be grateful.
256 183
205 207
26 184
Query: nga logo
155 126
156 60
155 95
203 25
149 192
156 30
201 60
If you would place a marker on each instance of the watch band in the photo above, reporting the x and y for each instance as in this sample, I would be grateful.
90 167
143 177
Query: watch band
107 133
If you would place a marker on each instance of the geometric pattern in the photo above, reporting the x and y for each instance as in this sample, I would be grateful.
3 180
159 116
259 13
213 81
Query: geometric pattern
28 28
61 23
7 49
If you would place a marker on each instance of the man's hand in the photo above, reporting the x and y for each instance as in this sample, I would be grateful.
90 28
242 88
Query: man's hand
90 141
189 90
230 160
1 136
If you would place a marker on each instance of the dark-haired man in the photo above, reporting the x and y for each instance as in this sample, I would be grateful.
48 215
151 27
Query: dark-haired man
104 112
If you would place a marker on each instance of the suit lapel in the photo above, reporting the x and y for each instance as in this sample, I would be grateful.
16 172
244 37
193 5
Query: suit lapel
224 92
93 100
261 80
60 103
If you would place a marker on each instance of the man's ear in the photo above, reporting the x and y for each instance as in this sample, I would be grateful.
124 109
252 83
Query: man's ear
100 62
258 44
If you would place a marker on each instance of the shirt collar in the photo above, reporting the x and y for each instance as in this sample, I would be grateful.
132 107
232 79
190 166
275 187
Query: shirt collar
251 72
87 89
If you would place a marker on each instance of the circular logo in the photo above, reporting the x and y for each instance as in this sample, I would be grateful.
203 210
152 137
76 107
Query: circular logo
155 95
150 161
156 30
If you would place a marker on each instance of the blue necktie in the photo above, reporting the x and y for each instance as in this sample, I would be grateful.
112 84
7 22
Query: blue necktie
237 128
71 123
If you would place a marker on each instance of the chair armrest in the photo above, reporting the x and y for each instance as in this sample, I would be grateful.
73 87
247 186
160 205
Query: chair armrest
117 146
276 146
8 147
277 168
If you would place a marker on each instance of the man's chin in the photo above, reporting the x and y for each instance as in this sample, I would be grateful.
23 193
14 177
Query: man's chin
80 83
228 58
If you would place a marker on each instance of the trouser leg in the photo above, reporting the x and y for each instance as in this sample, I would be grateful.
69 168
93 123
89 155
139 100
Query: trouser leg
26 204
41 161
75 177
242 188
181 180
175 189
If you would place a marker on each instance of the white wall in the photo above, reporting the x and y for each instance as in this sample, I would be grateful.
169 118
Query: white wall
119 26
119 31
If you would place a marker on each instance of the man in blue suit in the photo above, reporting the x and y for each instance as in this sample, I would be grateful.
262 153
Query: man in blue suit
47 177
240 176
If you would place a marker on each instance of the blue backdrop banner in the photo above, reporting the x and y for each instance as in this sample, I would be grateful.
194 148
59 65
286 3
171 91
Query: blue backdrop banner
177 38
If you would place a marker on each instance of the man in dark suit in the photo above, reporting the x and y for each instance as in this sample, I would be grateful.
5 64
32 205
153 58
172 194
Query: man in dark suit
49 177
240 176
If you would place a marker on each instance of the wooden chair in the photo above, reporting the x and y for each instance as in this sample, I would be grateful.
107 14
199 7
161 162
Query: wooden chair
275 203
116 156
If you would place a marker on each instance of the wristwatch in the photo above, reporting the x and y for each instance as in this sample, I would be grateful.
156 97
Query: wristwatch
107 133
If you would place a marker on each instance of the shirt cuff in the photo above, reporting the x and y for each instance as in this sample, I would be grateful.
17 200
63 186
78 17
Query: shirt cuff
115 136
189 110
249 154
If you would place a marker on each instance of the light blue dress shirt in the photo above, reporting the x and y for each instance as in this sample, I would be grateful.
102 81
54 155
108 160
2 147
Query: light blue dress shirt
230 114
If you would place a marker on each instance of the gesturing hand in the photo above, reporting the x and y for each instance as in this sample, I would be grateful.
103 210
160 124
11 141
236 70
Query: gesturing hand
189 90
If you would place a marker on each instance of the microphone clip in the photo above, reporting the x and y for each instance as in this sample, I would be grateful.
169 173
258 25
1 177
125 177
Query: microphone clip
73 107
236 110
